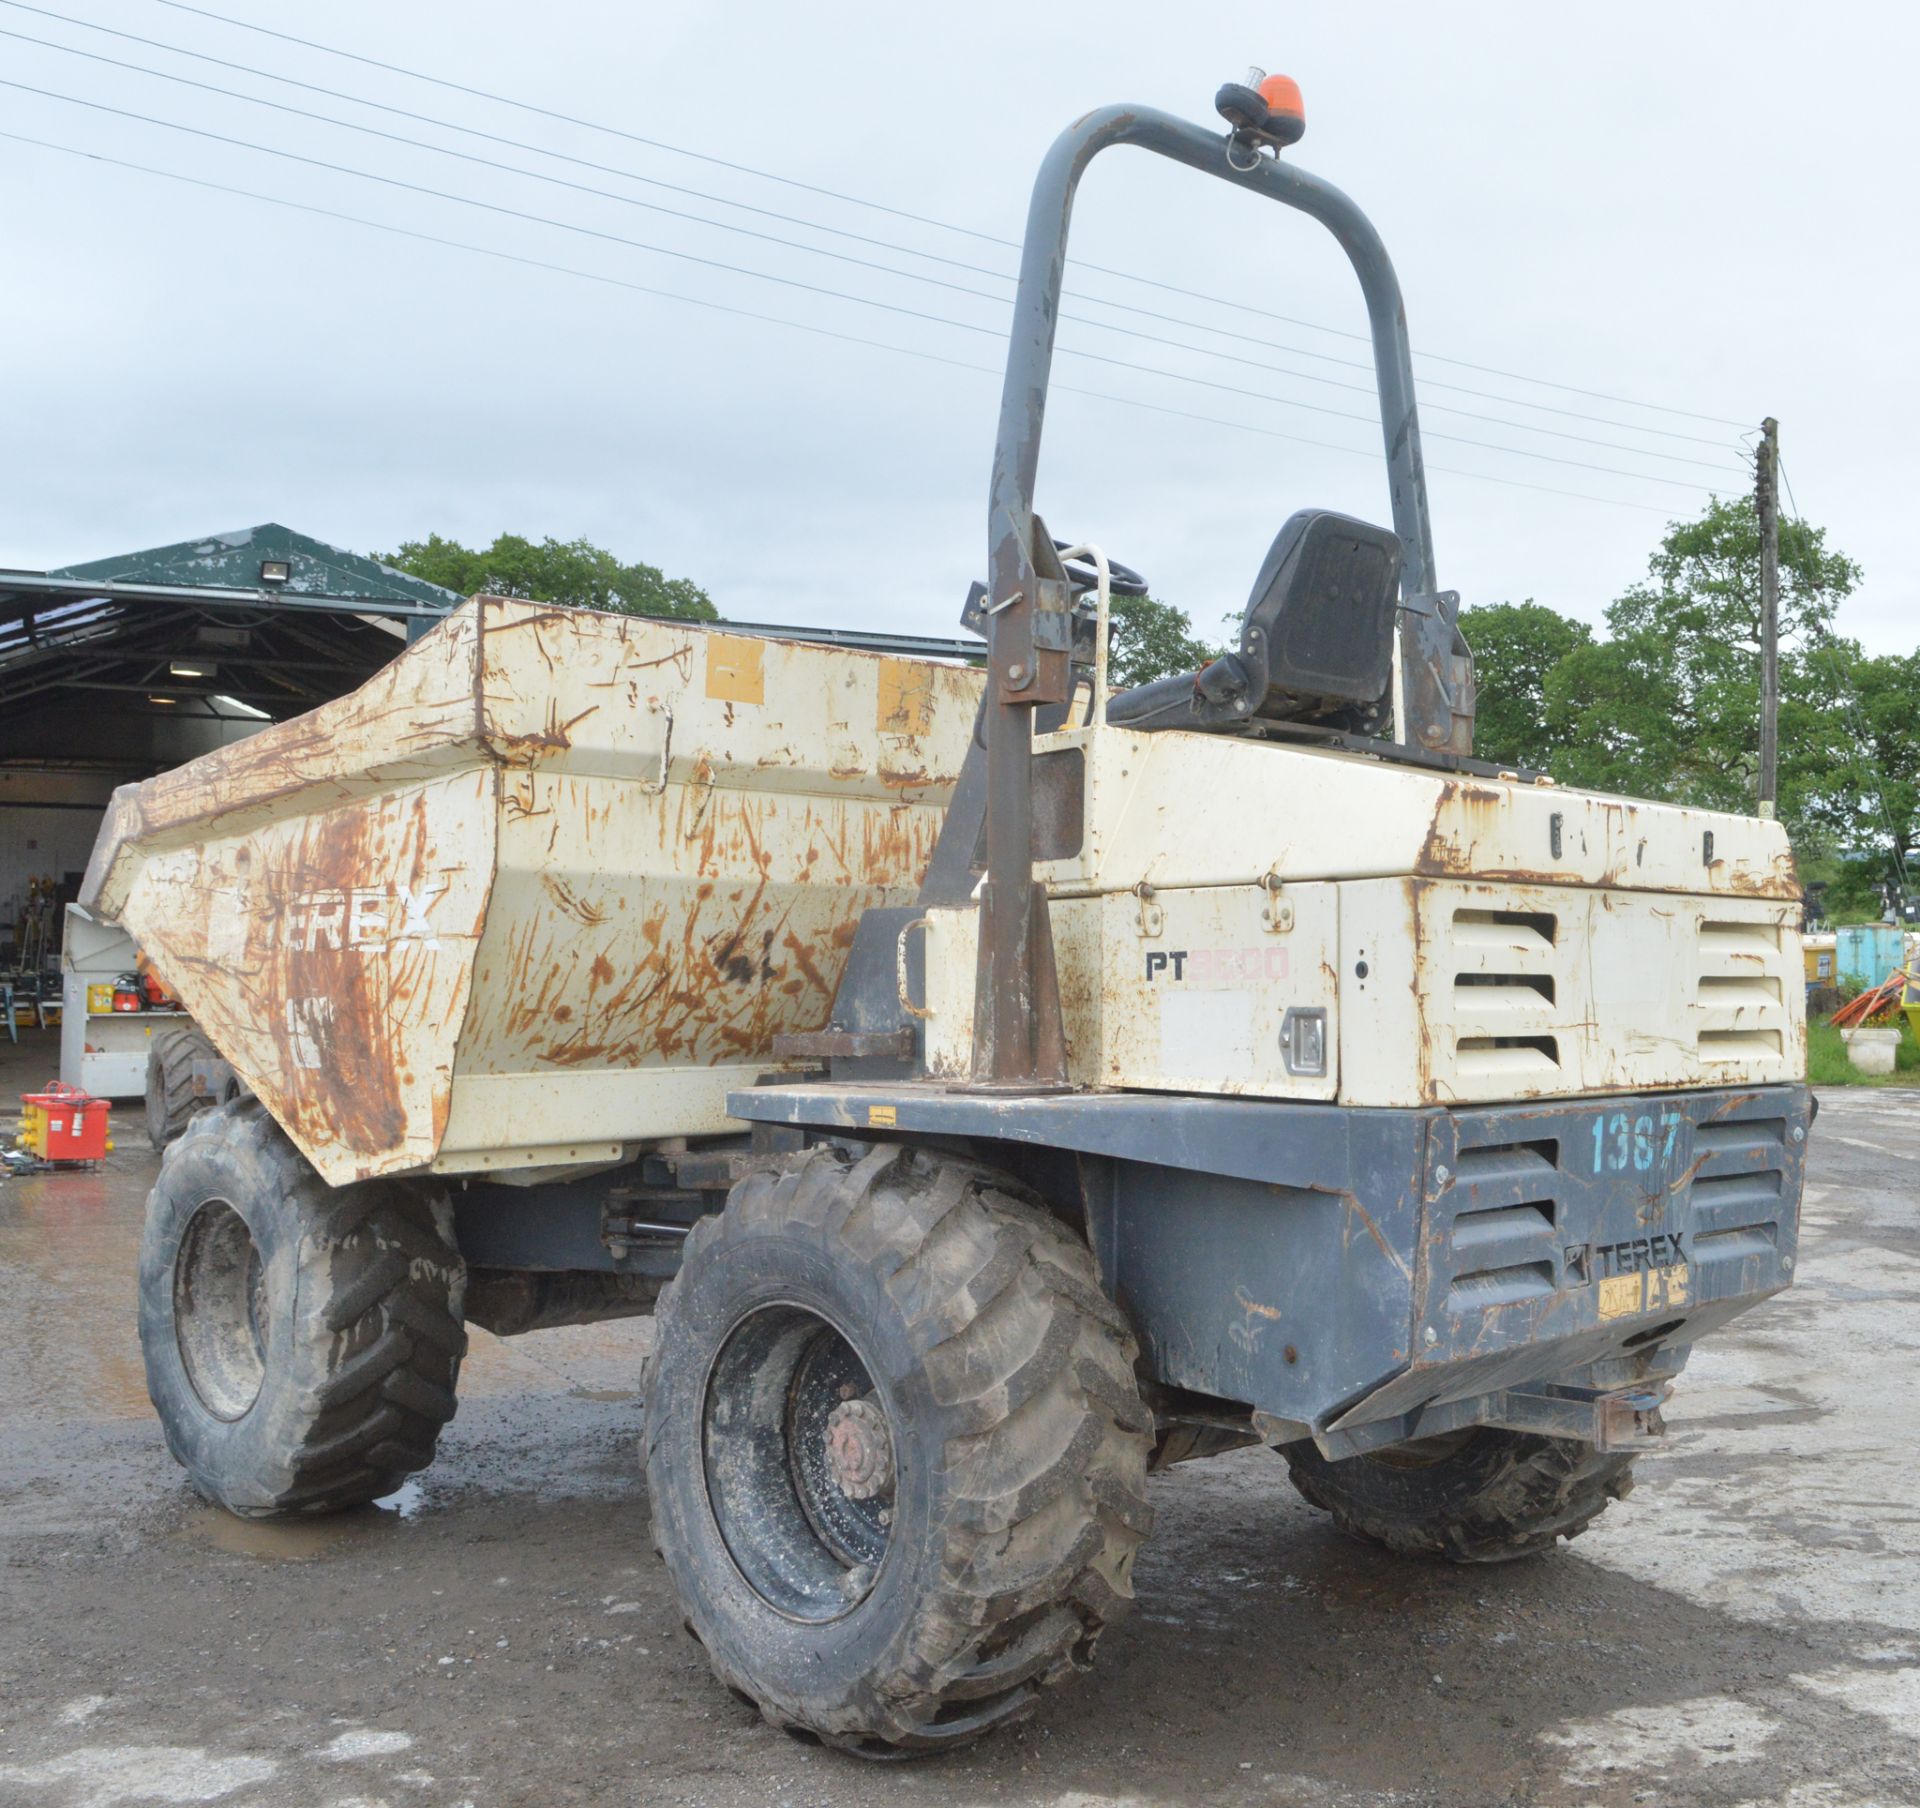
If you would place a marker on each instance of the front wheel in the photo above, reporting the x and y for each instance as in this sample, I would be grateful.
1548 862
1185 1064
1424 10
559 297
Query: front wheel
1476 1496
302 1341
895 1449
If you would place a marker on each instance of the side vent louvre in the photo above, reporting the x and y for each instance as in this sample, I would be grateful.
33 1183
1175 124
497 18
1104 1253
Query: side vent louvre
1526 1162
1498 1286
1736 1245
1498 1223
1735 938
1486 1057
1722 1190
1738 1190
1739 1000
1524 991
1505 928
1505 996
1746 1136
1503 1218
1736 989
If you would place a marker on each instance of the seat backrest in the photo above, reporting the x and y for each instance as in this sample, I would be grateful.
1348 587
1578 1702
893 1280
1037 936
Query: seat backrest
1321 616
1316 641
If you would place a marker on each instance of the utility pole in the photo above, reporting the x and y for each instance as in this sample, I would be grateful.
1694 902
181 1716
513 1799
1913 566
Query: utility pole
1767 501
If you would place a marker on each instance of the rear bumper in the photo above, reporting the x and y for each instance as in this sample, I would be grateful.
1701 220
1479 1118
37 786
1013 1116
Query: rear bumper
1366 1276
1587 1242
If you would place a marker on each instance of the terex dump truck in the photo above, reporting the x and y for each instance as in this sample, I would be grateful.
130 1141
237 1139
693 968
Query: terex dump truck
999 1088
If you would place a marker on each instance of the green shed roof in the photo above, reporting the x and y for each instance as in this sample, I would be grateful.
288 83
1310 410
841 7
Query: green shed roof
234 560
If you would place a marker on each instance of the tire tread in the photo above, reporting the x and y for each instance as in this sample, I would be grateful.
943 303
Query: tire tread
1539 1490
171 1103
1033 1369
379 1297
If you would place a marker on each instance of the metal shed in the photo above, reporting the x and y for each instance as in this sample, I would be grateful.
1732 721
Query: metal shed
115 669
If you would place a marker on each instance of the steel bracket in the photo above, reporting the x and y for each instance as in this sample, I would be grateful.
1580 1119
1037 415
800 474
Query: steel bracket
1276 908
1436 671
1152 920
1052 615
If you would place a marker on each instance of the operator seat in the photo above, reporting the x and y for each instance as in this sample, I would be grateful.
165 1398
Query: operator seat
1316 642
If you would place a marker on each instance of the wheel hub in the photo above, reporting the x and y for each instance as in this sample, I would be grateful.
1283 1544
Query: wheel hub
221 1310
859 1449
801 1464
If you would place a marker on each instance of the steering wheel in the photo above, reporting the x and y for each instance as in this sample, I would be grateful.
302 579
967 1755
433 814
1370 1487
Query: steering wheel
1123 580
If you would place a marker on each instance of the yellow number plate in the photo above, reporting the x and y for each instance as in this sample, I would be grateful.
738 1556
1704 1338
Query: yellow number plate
1650 1290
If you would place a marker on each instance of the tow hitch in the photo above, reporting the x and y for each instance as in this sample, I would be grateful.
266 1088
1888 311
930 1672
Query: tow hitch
1624 1419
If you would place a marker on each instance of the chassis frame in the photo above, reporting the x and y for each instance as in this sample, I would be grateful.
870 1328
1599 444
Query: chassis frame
1357 1277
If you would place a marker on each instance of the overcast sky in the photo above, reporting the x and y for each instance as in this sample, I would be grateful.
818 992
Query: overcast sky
1710 207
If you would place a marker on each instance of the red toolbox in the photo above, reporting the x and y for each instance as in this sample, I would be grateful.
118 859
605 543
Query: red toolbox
62 1123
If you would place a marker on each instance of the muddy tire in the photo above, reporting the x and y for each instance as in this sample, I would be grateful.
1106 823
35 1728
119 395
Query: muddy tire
1480 1496
171 1099
302 1341
895 1448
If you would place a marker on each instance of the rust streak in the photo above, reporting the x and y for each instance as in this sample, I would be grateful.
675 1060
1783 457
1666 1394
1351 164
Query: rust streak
1373 1230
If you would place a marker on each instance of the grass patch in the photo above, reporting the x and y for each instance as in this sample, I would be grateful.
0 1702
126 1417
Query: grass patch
1827 1063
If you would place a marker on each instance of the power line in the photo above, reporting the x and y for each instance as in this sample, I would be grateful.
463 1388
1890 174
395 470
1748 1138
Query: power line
807 287
449 125
1457 439
802 326
658 144
819 251
1427 383
1791 502
422 144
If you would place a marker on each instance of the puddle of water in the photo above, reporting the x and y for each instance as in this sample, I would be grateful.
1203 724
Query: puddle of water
301 1540
69 1247
407 1500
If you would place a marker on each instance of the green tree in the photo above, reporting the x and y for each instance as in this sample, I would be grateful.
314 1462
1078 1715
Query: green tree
1668 705
1148 639
1515 646
1869 797
573 572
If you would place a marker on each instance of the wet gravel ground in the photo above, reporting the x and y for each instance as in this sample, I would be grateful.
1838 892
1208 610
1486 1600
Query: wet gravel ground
1744 1630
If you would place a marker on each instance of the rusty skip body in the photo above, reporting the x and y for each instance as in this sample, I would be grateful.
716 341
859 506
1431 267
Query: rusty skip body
454 919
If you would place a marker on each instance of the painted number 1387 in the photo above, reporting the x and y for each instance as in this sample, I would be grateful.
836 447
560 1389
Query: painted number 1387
1639 1143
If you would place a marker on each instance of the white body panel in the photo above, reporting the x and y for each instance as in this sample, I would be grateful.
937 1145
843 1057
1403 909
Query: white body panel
1470 940
1485 992
1177 809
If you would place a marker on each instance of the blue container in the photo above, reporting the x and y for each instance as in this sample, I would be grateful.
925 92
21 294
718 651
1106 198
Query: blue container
1869 951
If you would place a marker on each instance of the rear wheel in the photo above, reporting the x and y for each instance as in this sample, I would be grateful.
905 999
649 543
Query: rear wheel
896 1453
302 1341
171 1097
1476 1496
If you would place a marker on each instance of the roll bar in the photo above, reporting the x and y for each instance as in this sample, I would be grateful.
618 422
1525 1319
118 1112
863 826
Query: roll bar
1018 1044
1036 308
